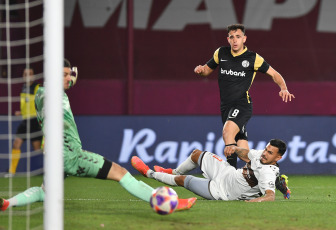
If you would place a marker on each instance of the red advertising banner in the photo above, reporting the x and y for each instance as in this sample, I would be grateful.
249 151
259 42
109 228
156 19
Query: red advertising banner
171 37
149 69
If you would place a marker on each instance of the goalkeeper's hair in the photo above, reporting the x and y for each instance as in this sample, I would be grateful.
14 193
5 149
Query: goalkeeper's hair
281 145
66 63
235 27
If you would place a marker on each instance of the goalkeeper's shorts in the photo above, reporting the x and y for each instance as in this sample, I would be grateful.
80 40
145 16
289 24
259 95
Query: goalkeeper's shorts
81 163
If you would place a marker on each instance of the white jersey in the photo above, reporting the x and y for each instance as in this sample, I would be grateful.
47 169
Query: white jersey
228 183
265 174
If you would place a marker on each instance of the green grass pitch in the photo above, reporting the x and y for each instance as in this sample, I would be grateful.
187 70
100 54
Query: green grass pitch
97 204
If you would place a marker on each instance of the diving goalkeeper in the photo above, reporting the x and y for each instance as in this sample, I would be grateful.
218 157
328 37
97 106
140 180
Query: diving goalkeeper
81 163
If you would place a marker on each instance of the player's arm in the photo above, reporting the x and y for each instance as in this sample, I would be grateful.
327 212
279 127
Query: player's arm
269 196
279 80
241 152
208 68
203 70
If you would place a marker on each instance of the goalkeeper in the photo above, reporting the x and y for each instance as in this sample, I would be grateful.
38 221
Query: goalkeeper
81 163
255 182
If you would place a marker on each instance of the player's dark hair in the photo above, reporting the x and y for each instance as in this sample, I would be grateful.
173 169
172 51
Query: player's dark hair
280 145
67 63
235 27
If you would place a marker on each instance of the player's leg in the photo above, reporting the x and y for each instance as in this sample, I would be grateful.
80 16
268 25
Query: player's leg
199 186
36 145
235 120
18 141
128 182
139 188
190 163
83 163
243 143
36 137
16 154
230 130
211 165
139 165
31 195
186 166
169 179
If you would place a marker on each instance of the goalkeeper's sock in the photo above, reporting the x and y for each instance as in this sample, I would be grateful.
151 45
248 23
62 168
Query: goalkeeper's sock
135 187
185 167
29 196
164 178
16 153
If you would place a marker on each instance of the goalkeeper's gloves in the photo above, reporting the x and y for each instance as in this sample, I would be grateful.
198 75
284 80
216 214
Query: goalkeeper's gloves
281 183
73 76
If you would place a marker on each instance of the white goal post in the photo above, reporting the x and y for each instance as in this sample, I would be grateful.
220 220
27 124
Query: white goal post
53 75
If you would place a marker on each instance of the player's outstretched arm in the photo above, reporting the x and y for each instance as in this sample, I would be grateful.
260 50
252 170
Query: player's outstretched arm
279 80
269 196
203 70
241 152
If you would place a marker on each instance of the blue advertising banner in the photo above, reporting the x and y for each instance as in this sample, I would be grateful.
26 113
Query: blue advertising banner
168 140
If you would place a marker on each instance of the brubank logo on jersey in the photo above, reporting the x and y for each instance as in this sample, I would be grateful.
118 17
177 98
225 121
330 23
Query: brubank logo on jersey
233 73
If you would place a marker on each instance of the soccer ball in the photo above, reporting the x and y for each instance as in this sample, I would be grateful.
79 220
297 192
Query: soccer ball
164 200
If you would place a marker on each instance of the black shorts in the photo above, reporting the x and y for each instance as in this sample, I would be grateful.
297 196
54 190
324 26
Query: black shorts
35 130
240 113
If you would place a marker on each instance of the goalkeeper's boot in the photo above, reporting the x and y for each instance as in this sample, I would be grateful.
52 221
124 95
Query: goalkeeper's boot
139 165
163 170
3 204
185 204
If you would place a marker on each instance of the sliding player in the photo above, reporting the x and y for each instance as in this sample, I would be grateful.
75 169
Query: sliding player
255 182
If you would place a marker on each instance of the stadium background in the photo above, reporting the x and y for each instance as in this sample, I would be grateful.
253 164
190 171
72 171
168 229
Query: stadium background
154 106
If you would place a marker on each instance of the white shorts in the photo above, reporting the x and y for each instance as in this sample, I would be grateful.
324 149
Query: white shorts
221 174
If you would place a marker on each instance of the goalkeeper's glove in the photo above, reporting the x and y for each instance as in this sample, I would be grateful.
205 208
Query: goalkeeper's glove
73 76
281 183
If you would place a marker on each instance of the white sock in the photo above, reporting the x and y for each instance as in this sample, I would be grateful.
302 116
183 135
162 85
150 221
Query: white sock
12 202
150 173
31 195
163 177
185 167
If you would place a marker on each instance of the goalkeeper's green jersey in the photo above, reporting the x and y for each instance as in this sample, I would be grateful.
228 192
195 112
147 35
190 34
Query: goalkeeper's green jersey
71 136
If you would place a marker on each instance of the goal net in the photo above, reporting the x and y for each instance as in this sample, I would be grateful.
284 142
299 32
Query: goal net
23 56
